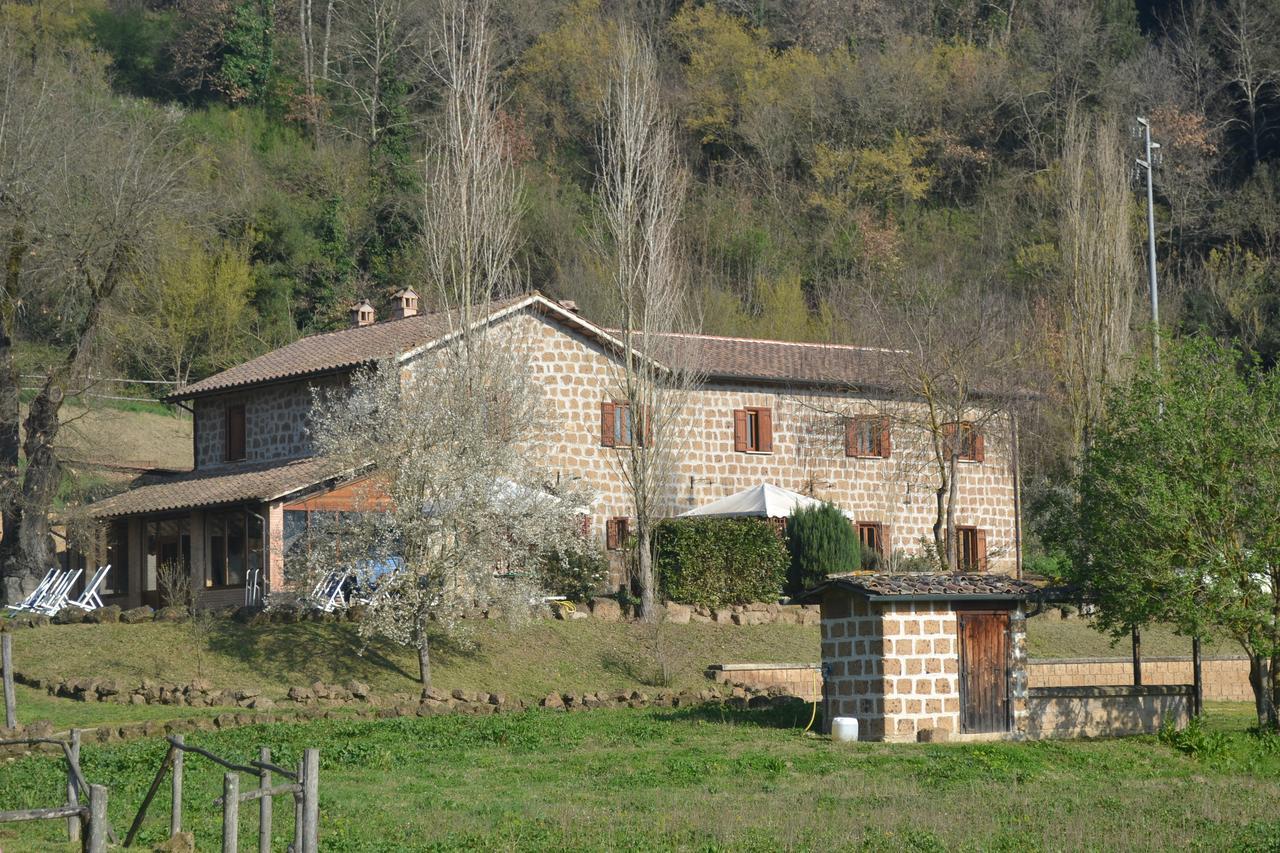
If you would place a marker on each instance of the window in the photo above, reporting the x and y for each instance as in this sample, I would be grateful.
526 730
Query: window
235 433
616 531
117 580
971 549
867 435
618 427
871 537
966 439
753 430
235 548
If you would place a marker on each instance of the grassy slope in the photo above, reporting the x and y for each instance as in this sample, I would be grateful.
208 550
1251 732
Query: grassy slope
700 779
126 434
527 661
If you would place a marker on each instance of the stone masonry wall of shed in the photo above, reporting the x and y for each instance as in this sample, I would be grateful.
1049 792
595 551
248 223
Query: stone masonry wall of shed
275 423
808 452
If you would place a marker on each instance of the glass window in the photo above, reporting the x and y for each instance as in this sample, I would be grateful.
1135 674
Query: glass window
117 580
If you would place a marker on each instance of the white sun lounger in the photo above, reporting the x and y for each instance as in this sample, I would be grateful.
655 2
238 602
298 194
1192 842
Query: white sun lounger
328 593
89 599
56 596
30 602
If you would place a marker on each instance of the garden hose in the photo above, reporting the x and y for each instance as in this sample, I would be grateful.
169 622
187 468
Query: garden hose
566 606
812 717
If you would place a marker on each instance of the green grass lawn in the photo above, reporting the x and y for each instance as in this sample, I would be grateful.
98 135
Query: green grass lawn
703 779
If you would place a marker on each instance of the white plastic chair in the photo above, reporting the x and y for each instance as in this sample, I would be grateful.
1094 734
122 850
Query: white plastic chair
89 599
56 597
30 602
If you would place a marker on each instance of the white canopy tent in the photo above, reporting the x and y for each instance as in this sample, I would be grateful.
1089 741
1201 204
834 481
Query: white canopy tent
765 500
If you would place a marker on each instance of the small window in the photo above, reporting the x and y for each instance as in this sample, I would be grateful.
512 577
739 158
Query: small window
753 430
235 433
619 427
966 440
867 435
971 549
871 537
616 531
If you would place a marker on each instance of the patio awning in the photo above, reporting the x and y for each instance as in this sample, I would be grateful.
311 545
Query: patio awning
762 501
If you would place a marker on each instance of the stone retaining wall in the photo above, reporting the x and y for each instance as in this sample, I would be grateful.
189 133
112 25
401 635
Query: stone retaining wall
1225 679
1067 712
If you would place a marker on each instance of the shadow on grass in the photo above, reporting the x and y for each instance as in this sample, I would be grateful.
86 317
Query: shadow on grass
794 714
306 651
648 673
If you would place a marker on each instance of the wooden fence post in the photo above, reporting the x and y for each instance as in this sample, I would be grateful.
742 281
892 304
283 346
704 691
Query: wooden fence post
97 839
264 804
73 790
6 664
310 800
175 815
230 812
296 847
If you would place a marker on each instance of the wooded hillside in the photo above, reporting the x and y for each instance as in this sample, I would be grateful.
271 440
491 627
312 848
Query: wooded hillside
184 183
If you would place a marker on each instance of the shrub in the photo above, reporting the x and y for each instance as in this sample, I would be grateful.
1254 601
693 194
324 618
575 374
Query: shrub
821 542
577 575
715 562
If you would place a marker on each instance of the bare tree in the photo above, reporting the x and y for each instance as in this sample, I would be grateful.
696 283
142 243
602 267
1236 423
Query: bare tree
461 500
953 354
1099 269
377 50
641 194
83 182
1249 35
473 192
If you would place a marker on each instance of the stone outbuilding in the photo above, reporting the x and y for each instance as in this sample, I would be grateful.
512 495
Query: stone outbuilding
914 655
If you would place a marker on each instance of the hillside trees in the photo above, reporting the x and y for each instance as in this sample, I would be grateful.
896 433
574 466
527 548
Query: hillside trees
84 185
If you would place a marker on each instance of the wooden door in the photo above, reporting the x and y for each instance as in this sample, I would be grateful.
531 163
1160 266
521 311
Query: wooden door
984 671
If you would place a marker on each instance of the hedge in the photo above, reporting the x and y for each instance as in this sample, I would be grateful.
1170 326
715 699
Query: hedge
716 562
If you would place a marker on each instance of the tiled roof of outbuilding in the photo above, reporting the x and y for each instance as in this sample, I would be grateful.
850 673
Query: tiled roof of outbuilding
934 586
213 488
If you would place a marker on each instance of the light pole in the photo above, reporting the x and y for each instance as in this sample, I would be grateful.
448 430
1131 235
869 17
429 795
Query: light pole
1148 165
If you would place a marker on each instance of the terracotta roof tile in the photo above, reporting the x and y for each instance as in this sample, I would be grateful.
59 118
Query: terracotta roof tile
212 488
952 585
329 351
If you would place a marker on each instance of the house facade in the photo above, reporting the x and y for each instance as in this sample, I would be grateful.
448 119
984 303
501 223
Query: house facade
818 419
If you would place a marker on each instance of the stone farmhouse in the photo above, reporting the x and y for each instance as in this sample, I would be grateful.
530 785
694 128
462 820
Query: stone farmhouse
819 419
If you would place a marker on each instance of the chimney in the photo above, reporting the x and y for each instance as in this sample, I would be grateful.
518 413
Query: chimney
406 304
569 305
362 314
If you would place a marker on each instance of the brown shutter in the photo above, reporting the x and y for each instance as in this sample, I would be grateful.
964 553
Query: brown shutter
235 433
980 545
606 424
886 545
766 430
740 430
979 451
886 439
611 534
646 426
851 437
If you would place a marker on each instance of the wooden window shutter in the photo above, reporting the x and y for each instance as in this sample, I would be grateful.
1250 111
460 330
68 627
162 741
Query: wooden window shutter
606 424
766 430
740 430
851 437
980 545
646 426
886 439
979 450
948 438
886 544
611 534
235 433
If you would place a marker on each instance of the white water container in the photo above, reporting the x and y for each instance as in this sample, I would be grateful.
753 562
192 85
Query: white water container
844 728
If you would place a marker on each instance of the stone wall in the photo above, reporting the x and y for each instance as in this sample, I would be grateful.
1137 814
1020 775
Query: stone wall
1064 712
808 451
1225 679
802 680
275 423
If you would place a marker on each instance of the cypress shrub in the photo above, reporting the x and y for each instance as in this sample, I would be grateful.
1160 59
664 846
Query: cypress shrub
821 542
716 562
